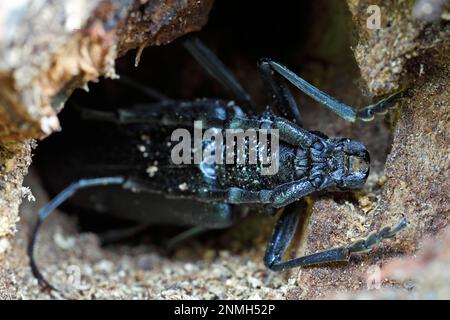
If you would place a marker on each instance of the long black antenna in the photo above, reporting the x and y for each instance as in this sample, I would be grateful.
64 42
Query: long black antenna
45 212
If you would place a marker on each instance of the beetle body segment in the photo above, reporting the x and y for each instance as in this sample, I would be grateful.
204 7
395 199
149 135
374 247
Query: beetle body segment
136 143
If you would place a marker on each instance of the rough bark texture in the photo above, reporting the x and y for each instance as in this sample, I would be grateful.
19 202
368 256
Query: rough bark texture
49 48
415 183
15 157
426 276
383 54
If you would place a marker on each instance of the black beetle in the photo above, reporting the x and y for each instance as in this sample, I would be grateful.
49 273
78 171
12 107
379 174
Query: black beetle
129 160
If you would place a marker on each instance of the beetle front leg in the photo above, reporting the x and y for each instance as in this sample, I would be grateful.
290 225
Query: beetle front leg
287 193
287 131
343 110
293 134
283 234
381 107
277 198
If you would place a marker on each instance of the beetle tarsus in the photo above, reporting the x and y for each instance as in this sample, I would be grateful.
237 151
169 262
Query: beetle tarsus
284 232
381 107
375 238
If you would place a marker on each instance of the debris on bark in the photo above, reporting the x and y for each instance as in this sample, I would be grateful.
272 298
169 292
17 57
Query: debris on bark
49 48
414 183
15 157
424 276
383 53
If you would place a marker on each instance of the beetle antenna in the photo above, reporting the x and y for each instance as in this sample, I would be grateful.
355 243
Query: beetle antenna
45 211
217 70
146 90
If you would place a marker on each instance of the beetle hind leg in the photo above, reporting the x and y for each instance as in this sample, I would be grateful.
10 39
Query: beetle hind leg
220 215
285 229
116 235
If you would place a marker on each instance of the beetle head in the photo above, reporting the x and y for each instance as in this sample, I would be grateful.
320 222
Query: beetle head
333 163
351 164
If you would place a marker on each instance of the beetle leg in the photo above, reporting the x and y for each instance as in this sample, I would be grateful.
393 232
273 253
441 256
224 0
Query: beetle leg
287 193
221 215
217 70
212 113
381 107
45 211
374 238
343 110
277 198
282 235
148 91
185 235
279 93
293 133
273 257
116 235
287 131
